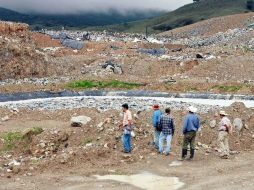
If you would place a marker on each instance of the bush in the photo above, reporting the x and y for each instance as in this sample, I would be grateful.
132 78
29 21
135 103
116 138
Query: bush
250 5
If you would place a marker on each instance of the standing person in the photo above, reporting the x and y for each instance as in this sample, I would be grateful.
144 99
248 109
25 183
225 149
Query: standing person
225 128
156 121
190 128
127 125
168 128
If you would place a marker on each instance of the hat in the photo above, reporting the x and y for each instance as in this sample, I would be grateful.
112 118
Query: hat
156 106
192 109
223 113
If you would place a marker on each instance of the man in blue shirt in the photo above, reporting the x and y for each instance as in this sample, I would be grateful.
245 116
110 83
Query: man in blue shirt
190 128
156 120
168 128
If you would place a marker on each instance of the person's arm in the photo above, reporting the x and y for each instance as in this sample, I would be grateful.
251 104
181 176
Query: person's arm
198 122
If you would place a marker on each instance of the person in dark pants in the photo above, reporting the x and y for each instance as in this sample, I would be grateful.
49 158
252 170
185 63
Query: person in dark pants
190 128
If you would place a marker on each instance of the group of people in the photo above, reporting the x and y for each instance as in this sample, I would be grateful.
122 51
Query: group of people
164 129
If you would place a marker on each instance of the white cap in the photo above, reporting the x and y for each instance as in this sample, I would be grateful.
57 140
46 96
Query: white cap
192 109
223 113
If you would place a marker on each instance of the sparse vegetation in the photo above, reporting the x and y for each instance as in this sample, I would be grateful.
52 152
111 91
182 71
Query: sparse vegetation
87 141
11 139
188 14
87 84
37 130
228 88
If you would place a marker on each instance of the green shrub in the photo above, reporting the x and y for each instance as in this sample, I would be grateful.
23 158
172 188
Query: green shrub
87 84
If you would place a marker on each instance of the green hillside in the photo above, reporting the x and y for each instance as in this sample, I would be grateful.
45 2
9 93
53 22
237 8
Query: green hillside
188 14
76 21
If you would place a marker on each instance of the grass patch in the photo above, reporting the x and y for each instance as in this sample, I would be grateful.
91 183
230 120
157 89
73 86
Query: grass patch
87 84
36 130
225 88
11 139
87 141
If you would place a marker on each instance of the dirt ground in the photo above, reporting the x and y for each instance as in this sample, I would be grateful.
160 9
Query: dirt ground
74 164
202 173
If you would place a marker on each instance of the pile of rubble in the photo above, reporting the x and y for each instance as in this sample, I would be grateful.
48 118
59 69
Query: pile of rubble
219 38
9 28
19 55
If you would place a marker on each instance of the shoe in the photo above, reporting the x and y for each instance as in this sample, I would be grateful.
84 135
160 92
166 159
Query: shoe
167 154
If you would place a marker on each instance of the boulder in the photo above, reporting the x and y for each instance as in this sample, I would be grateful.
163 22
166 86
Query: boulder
238 124
79 121
6 118
212 123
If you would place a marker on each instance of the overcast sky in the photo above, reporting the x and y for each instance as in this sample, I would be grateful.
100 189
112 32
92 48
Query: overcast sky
72 6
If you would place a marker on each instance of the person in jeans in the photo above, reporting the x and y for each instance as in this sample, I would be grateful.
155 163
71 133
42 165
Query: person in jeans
168 128
224 129
127 125
190 128
156 121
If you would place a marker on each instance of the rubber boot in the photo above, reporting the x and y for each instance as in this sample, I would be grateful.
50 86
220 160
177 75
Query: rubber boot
192 152
184 154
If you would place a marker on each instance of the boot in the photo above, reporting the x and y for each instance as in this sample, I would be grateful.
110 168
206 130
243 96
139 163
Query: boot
192 152
184 154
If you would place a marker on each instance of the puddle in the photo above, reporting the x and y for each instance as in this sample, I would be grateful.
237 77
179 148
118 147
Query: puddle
146 181
176 163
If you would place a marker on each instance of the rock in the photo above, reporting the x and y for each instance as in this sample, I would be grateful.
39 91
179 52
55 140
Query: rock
42 145
212 123
238 124
6 118
199 56
29 174
16 169
79 121
115 68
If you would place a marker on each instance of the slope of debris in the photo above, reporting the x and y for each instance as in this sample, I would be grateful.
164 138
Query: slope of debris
212 26
19 55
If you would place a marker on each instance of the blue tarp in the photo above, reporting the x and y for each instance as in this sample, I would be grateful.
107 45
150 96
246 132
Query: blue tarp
156 52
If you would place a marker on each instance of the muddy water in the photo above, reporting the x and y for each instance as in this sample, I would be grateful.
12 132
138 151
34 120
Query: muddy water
146 181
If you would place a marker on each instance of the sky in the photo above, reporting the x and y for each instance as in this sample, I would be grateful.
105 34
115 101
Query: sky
75 6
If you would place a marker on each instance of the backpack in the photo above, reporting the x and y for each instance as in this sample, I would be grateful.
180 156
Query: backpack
159 127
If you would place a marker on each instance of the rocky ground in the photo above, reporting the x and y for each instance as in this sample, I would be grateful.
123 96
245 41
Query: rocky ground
174 64
42 143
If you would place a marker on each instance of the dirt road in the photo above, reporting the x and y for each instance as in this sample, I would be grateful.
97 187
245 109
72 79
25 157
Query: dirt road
203 173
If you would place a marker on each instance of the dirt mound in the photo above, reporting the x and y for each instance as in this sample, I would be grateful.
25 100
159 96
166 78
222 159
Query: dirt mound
20 56
212 26
10 27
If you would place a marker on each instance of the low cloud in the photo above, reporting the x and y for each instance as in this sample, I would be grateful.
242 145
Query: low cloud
75 6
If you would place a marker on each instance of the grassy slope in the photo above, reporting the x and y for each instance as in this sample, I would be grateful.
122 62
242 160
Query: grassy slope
190 13
75 21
